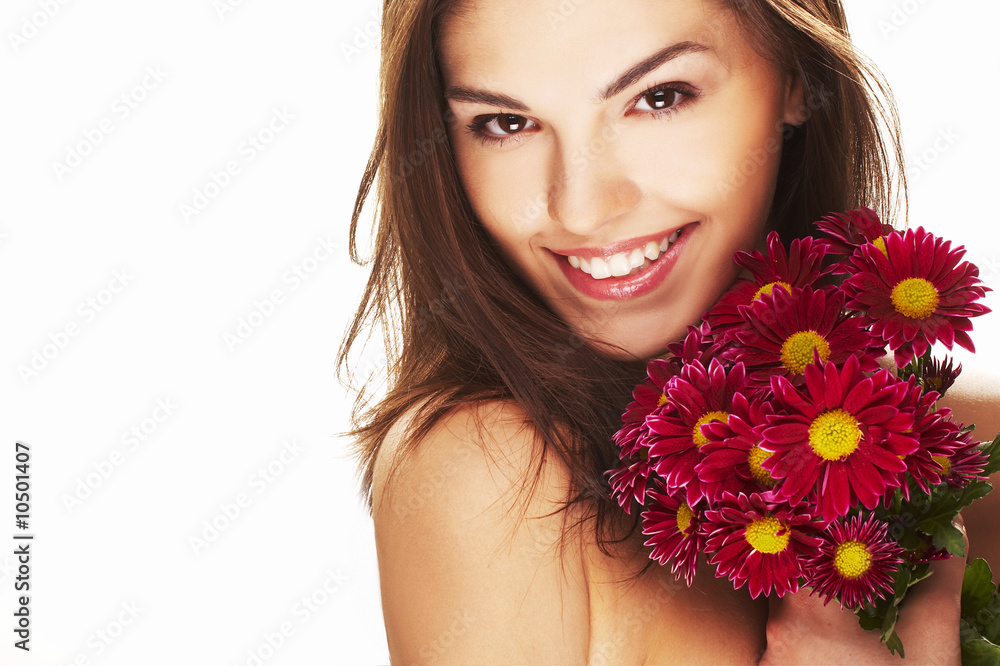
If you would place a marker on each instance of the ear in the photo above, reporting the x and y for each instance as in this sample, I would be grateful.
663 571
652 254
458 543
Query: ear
795 104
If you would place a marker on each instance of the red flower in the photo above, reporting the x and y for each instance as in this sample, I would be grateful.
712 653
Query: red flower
840 442
915 293
699 344
628 481
733 454
697 396
966 464
646 397
940 376
800 266
759 543
674 533
855 562
850 230
785 329
938 438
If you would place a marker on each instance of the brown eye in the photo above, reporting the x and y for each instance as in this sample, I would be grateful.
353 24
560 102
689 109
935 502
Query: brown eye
501 126
660 99
509 123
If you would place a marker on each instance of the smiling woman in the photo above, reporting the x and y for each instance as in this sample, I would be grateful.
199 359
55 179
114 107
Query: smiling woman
583 186
679 117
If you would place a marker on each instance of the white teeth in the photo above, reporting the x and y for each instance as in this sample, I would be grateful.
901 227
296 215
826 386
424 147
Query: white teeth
623 263
636 259
619 265
599 269
652 250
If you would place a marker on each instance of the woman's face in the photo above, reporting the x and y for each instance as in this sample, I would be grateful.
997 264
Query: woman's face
619 151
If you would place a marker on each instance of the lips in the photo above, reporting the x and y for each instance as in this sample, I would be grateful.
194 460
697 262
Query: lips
623 263
616 272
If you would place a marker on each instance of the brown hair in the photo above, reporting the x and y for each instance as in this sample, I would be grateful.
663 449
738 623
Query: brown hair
469 329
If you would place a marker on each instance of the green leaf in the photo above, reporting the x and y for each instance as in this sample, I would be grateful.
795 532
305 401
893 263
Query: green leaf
993 451
950 538
889 625
974 491
895 645
991 631
868 622
980 652
901 581
977 587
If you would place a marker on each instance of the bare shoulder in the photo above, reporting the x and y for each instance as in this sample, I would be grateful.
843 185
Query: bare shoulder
975 398
470 566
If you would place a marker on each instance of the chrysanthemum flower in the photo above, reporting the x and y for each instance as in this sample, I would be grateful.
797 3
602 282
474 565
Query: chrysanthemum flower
673 528
800 266
759 543
646 397
629 480
848 231
916 292
700 344
939 376
733 455
966 464
786 329
855 562
697 396
841 441
937 437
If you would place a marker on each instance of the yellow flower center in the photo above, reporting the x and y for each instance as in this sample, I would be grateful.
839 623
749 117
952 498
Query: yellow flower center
699 437
684 516
852 559
662 400
767 535
757 456
769 287
915 298
834 435
797 352
880 244
944 462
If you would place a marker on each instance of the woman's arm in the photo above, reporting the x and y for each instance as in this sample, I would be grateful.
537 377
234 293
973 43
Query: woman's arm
464 578
975 398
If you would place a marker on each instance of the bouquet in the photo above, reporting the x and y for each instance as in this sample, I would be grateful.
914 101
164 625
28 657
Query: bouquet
774 441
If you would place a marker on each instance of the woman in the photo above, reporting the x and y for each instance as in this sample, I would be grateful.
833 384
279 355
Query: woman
563 186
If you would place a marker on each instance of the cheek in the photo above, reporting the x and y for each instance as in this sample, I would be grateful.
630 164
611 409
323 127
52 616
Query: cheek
723 162
505 196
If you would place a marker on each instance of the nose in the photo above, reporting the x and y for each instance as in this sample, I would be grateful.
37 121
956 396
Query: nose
589 186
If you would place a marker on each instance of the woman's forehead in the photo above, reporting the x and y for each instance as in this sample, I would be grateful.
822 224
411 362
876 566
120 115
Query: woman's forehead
500 42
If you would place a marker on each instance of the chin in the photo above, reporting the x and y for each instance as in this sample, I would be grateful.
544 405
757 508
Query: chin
639 349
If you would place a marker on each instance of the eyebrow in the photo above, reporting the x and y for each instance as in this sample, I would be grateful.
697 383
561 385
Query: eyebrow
627 78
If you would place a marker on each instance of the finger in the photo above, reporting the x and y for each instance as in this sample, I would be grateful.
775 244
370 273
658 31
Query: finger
929 617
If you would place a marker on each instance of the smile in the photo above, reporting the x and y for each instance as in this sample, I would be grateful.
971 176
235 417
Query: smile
626 269
624 263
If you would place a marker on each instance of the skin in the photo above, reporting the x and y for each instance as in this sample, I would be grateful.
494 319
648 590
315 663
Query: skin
471 573
583 173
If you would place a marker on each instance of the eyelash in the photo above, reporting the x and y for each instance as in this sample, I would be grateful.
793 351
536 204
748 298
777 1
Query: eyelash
684 92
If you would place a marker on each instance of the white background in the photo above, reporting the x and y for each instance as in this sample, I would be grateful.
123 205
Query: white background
301 531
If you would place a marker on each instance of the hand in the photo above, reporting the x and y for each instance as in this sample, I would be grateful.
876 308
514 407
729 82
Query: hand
801 630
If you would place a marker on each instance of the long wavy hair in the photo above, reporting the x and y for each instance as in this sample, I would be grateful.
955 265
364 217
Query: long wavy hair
469 329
